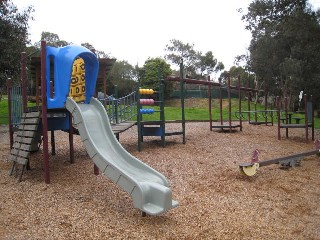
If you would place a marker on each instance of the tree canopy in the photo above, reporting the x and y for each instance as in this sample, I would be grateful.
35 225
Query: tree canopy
150 72
53 39
283 53
196 63
246 79
284 50
13 38
124 76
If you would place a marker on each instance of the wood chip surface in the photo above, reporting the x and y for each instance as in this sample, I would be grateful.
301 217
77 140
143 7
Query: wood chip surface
216 200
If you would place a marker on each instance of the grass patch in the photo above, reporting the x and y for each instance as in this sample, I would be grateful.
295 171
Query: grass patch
4 115
4 112
195 109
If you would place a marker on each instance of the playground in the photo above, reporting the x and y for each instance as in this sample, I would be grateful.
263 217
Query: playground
215 200
66 173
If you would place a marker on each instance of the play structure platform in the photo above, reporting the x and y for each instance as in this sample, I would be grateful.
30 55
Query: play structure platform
68 104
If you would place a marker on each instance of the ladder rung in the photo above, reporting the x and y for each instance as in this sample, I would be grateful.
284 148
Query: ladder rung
31 115
23 140
19 160
20 153
30 121
27 133
22 146
28 127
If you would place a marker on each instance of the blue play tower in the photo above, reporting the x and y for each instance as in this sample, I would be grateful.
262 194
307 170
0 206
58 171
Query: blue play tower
62 78
63 61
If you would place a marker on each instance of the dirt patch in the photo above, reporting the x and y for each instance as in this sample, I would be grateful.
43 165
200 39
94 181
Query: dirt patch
216 201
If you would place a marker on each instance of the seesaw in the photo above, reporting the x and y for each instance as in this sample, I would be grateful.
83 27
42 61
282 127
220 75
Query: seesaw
251 168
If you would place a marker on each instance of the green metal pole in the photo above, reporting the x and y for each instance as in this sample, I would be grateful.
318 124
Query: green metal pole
139 117
229 100
182 103
115 103
239 95
162 117
210 103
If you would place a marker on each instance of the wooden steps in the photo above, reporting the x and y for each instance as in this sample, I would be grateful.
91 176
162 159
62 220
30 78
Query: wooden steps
26 139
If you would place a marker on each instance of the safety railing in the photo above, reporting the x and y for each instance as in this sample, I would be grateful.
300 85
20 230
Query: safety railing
121 109
15 104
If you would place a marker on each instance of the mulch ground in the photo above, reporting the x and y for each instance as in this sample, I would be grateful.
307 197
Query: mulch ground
215 200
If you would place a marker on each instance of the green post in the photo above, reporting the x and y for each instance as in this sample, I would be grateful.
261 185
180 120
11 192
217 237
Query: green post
210 103
182 103
139 117
115 104
161 106
239 95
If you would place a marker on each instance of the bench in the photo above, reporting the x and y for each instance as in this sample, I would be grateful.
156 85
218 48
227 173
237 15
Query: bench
283 119
308 117
297 119
290 119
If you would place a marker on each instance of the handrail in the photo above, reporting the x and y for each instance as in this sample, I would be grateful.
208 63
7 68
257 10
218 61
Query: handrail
120 109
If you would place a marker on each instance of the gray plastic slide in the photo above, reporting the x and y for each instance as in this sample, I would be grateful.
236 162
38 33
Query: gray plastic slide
148 188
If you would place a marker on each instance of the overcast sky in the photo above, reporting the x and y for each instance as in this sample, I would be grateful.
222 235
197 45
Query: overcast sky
135 30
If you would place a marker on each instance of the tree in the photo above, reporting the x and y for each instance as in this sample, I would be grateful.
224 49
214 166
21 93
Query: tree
179 51
234 72
284 50
13 38
148 74
124 76
196 63
53 40
87 45
207 64
100 54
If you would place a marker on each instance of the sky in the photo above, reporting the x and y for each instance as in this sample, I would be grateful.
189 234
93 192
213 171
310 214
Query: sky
136 30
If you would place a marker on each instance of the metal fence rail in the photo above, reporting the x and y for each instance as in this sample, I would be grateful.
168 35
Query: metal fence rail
121 109
15 105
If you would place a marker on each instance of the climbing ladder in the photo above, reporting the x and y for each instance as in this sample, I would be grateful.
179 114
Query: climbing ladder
26 140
